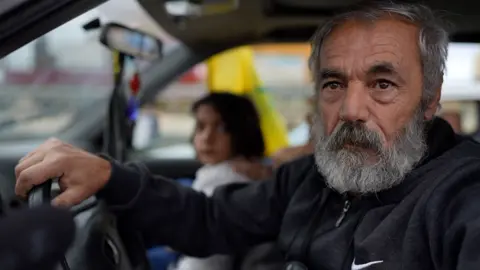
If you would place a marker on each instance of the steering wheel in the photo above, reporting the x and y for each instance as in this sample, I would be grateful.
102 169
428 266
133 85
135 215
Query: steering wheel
97 243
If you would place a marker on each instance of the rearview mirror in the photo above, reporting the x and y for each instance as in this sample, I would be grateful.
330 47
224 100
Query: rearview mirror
131 42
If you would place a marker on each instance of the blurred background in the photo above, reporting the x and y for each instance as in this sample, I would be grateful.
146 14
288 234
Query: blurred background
48 83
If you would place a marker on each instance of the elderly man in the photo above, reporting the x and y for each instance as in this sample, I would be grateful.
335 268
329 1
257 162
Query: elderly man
389 185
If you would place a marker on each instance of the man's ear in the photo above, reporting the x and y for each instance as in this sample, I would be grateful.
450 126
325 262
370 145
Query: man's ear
434 104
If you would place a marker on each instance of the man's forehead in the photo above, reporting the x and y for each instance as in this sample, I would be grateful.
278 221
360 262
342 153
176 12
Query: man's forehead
386 40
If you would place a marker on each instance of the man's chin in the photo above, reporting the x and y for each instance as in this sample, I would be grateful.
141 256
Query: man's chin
357 157
359 149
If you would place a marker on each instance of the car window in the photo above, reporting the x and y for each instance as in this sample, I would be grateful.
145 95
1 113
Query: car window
63 78
165 125
461 88
48 84
463 115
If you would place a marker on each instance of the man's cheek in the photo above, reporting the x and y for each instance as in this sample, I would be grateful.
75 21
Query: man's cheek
328 122
381 132
332 126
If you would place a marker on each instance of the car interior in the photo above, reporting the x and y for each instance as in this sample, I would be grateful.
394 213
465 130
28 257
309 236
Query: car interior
200 29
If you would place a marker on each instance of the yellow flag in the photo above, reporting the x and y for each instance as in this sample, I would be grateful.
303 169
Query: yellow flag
234 71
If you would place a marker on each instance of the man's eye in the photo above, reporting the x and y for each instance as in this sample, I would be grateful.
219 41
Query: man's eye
332 85
383 85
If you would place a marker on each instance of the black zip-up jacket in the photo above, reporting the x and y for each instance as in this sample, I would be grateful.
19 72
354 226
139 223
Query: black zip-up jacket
430 221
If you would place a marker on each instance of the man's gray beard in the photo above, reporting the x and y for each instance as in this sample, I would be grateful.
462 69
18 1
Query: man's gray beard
347 170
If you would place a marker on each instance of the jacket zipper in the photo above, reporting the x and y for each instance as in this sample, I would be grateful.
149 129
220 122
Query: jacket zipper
346 207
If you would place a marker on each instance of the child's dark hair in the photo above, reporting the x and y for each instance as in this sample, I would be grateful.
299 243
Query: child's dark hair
241 121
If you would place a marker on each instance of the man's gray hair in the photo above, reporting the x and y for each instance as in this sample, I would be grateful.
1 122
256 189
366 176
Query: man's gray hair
432 41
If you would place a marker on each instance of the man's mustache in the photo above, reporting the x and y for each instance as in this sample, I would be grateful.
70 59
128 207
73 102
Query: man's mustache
354 134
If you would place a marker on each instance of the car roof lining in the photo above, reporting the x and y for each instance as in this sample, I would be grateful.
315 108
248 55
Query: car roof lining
293 20
253 21
8 5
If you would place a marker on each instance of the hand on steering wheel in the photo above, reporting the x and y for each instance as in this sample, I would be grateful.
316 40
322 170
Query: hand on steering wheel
43 194
82 174
98 244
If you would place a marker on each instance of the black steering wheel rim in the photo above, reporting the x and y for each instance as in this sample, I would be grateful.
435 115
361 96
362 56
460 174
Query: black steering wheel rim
40 194
97 232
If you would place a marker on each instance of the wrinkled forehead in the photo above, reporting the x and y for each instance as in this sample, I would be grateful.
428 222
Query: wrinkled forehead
363 43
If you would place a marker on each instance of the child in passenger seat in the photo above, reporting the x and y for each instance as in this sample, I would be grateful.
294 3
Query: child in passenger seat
227 128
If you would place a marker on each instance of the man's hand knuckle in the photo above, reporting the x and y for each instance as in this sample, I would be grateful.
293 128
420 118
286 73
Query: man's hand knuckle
66 201
24 177
71 199
58 156
57 147
55 143
53 140
18 169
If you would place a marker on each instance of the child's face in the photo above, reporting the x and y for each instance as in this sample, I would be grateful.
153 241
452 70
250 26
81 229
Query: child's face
212 143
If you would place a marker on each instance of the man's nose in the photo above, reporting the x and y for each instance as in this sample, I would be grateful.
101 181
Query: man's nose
355 103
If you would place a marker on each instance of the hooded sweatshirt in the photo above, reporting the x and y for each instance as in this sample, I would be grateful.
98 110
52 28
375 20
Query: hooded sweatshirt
207 179
429 221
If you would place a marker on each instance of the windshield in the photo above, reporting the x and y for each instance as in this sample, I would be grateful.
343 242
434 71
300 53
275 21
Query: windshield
47 83
166 125
64 77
